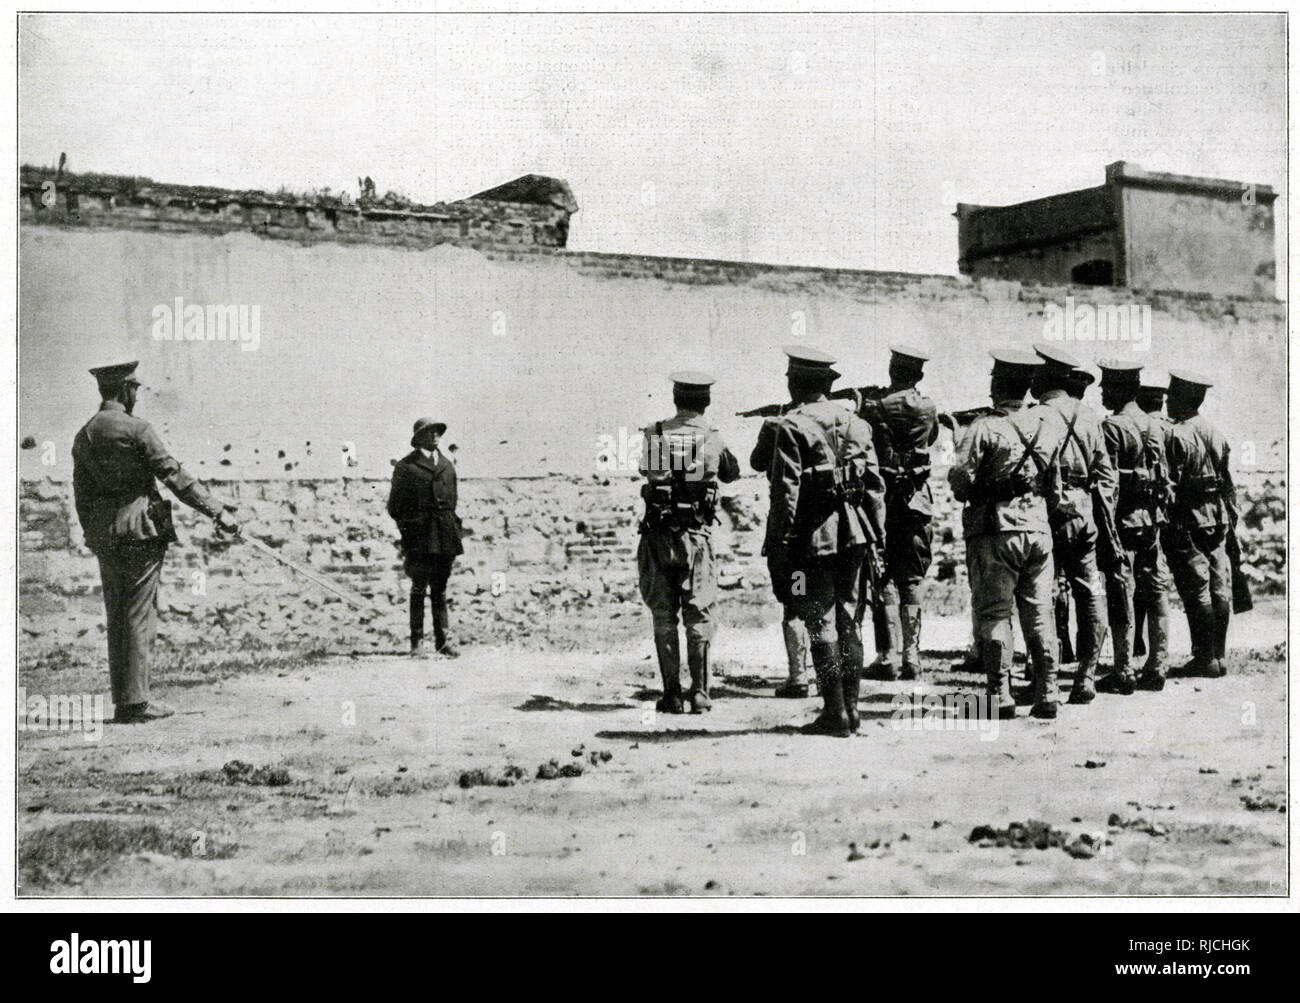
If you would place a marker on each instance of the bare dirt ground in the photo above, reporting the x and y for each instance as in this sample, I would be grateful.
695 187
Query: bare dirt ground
343 776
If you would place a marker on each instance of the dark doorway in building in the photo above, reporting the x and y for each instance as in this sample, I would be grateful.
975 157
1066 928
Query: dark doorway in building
1098 272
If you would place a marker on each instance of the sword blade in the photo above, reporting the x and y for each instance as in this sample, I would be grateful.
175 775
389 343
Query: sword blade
345 594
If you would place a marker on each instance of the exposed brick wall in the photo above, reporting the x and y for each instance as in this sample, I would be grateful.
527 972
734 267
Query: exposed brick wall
537 549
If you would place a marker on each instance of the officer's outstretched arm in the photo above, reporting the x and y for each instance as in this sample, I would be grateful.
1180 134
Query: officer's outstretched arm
188 489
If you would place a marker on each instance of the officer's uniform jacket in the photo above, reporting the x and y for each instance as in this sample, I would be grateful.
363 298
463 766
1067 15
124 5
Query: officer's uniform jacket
802 520
1136 443
989 452
691 442
1083 460
116 458
1204 496
422 501
904 426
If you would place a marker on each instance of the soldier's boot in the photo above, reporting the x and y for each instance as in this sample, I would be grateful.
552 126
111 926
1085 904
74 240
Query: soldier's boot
697 658
796 650
1222 616
1061 610
1153 673
1046 695
1123 680
997 671
440 642
889 641
1139 625
851 685
669 654
833 720
912 668
1200 624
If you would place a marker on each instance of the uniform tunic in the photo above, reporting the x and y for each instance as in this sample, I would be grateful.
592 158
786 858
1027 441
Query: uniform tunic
904 426
1204 506
116 460
675 563
1008 540
815 544
1136 442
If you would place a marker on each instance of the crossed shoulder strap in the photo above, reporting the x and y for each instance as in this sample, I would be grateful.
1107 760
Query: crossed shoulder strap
1029 452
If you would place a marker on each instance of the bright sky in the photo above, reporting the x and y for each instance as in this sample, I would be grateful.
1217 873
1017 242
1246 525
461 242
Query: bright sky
839 141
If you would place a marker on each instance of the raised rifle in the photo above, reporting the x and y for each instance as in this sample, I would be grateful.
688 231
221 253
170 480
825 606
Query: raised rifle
960 419
855 394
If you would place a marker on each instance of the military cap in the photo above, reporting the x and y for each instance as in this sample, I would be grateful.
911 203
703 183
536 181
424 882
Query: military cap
1056 358
119 372
1081 378
1190 378
1120 373
692 379
426 424
1011 359
809 360
910 354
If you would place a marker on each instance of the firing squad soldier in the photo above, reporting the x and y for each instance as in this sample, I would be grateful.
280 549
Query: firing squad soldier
793 632
1201 517
683 459
1007 474
904 425
1151 399
1077 384
116 458
825 520
1085 467
1136 443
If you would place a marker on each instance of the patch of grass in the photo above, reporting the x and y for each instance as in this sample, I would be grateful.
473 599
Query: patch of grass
71 852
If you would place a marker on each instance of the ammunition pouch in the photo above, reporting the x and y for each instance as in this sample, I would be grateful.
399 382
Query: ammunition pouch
679 505
1199 490
1005 489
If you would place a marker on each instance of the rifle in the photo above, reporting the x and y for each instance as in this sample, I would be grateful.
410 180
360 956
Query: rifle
960 419
1241 598
1111 554
855 394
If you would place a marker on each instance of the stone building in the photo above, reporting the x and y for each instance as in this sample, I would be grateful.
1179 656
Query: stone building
1141 230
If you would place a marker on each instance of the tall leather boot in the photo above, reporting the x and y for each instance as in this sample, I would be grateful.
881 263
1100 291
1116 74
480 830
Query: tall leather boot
796 651
912 668
669 654
889 641
1092 630
697 658
851 679
997 673
1200 624
1140 604
416 621
1222 616
833 719
1042 655
1061 611
1124 680
1157 665
441 644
